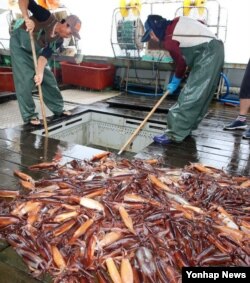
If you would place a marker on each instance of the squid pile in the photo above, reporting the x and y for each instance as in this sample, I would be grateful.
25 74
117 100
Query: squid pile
110 219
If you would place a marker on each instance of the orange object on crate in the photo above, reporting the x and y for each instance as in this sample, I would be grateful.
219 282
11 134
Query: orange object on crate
88 75
6 79
49 4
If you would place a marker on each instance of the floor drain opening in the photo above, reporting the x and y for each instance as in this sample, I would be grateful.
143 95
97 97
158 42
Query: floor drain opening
104 131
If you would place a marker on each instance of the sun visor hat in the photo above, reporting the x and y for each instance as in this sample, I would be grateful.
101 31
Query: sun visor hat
74 24
146 35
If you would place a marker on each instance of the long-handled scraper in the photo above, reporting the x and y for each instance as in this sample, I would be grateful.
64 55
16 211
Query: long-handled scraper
143 123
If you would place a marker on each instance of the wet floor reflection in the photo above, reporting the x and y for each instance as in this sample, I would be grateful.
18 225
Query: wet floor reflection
174 154
239 161
231 154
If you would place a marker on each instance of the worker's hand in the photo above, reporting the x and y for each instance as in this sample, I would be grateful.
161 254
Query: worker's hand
30 25
173 85
38 79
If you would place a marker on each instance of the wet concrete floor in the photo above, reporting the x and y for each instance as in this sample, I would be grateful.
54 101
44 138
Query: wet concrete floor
209 145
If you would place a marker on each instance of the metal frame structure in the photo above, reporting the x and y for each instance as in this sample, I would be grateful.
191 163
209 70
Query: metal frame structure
218 25
133 47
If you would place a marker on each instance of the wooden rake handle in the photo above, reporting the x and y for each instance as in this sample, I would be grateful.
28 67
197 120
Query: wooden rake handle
143 123
39 86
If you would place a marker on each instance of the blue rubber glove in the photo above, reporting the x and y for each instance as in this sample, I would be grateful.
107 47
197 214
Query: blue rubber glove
173 85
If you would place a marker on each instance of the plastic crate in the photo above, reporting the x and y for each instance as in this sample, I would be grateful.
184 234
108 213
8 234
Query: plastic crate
88 75
6 79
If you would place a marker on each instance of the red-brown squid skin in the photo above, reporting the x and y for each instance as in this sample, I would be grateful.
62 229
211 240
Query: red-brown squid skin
160 272
89 256
6 220
102 276
64 227
9 194
169 272
44 248
219 260
100 155
44 165
180 259
205 253
23 176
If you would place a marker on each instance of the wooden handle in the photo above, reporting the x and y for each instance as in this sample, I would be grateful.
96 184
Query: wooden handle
39 86
143 123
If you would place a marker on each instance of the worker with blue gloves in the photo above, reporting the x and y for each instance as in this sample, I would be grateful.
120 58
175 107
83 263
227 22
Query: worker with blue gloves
191 45
172 87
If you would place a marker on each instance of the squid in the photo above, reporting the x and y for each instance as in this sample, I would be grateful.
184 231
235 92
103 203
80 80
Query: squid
91 203
65 216
81 230
9 194
127 275
113 271
127 219
159 184
58 258
6 220
100 156
64 227
110 238
44 165
23 176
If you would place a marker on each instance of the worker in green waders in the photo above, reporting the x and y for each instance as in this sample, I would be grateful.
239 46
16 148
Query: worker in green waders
191 44
48 35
